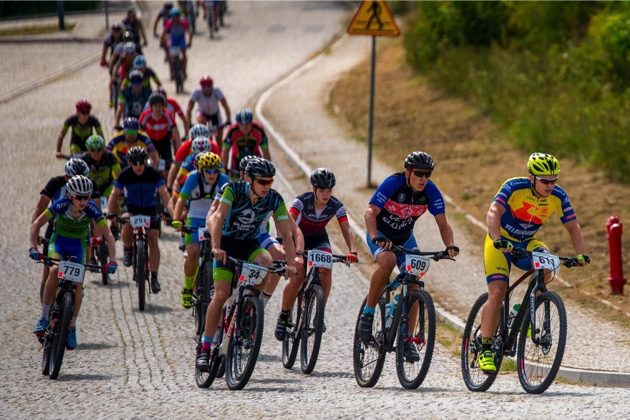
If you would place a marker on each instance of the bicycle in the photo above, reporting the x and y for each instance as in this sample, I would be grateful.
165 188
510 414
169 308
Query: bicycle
369 356
98 247
203 286
240 333
70 275
532 338
140 225
176 68
306 319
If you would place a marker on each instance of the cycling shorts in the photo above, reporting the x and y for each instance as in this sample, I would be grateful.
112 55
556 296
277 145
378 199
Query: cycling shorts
164 150
177 41
320 243
246 249
152 212
498 264
63 248
267 241
194 222
410 243
215 118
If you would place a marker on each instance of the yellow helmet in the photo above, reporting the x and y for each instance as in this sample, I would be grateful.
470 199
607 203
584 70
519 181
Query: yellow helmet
543 164
208 160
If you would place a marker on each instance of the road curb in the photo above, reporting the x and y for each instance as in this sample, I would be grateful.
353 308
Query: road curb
588 377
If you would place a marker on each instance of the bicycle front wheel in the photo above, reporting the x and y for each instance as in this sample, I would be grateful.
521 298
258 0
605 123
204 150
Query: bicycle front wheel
244 344
368 357
412 372
291 342
313 329
60 334
538 361
140 273
103 256
204 293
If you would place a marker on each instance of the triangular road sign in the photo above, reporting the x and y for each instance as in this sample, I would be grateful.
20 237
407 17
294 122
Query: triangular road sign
373 18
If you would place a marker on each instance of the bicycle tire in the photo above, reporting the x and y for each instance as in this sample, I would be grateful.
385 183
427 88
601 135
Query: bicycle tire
177 74
237 374
528 365
375 349
291 342
424 334
141 273
60 334
103 255
312 333
474 378
204 277
46 347
115 93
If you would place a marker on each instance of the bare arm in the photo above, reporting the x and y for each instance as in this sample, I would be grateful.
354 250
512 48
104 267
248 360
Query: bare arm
446 231
113 201
155 158
493 220
347 235
370 220
41 220
176 140
298 237
226 109
165 198
172 173
189 108
224 157
575 232
60 136
215 226
109 238
41 205
179 208
284 228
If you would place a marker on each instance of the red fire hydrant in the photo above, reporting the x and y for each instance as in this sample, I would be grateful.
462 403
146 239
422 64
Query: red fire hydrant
616 279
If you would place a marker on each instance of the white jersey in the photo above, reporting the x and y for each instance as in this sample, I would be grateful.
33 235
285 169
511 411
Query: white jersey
208 105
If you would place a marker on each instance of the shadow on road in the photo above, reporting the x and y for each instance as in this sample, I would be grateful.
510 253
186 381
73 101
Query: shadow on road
83 377
332 374
96 346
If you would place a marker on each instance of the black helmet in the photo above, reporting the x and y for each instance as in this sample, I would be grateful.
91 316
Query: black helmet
156 98
128 36
76 166
260 167
131 123
322 178
419 160
137 154
242 164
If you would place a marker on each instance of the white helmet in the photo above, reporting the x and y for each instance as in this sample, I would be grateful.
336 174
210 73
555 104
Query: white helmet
200 144
79 185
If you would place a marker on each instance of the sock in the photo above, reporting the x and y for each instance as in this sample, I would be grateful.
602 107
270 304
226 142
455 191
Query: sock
284 315
369 310
265 298
486 344
45 311
188 281
206 342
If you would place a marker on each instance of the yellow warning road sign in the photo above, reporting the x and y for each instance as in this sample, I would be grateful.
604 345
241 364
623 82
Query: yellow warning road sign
373 18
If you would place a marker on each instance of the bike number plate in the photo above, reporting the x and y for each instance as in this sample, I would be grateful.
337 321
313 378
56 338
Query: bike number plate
140 221
204 235
161 165
71 271
417 265
546 261
252 274
320 259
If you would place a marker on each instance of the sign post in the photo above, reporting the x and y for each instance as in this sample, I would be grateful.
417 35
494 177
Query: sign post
375 19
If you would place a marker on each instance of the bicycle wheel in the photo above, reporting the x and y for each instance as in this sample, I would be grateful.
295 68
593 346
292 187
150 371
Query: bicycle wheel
474 378
313 329
411 374
538 363
291 342
368 358
177 74
115 93
244 344
140 273
60 334
103 255
205 378
204 288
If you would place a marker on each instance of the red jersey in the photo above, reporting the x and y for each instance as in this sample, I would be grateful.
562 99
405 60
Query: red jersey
184 150
157 129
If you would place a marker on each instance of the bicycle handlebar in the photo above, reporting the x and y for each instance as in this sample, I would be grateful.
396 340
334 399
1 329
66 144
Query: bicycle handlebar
90 267
435 255
335 257
566 261
278 267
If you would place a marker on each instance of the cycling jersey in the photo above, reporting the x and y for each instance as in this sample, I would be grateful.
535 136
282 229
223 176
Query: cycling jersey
111 43
140 190
244 218
176 30
525 213
187 167
118 146
240 144
311 220
158 129
134 101
208 105
401 206
80 132
102 173
147 75
184 150
199 195
69 227
55 188
171 106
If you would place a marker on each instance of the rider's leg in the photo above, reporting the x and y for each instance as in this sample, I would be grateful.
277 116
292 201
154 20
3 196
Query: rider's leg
184 61
491 309
126 235
386 261
222 290
277 253
291 291
154 250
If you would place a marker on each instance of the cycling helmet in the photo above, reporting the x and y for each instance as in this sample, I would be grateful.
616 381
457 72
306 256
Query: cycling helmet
419 160
244 116
200 144
117 27
95 142
83 106
79 185
206 81
128 36
135 76
543 164
257 168
129 48
76 166
137 154
131 10
139 62
157 98
174 12
168 5
322 178
242 164
199 130
208 160
131 123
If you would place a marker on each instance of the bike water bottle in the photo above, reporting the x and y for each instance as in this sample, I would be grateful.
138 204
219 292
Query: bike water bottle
515 309
390 308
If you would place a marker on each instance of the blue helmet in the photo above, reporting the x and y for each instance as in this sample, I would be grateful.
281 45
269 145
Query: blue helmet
131 123
174 12
139 62
244 116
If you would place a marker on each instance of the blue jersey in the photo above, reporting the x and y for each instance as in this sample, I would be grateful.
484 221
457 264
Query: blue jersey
401 206
140 190
70 227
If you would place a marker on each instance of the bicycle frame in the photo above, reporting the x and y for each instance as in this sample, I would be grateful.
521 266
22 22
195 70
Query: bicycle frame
400 317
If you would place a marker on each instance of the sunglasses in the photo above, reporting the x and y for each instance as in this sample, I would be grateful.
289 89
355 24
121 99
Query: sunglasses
264 181
81 197
137 163
420 174
96 150
211 171
548 181
131 132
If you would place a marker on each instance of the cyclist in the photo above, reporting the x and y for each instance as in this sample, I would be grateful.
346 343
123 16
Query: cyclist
148 74
54 189
132 99
246 137
518 210
132 23
175 29
185 150
83 125
140 185
103 166
197 194
234 228
73 214
208 99
124 55
160 126
173 107
391 214
163 15
312 211
129 137
113 38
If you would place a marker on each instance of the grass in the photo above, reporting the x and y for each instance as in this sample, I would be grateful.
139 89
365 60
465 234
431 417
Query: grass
46 28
